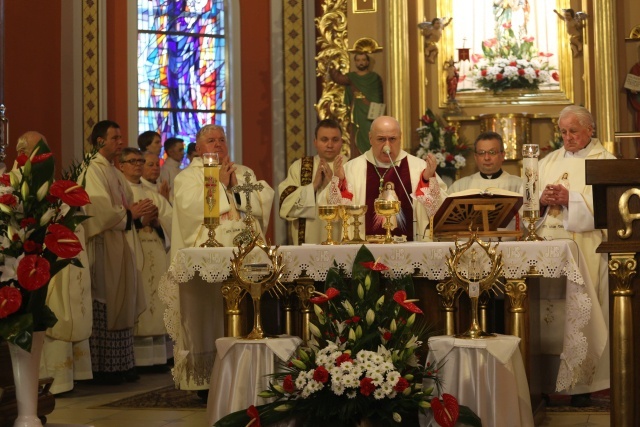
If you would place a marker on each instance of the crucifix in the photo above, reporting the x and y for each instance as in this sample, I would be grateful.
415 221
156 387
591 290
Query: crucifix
249 233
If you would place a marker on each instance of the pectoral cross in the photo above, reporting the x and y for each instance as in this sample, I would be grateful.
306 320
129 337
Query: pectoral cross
247 188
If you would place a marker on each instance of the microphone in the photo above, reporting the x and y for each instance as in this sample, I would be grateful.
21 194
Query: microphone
387 151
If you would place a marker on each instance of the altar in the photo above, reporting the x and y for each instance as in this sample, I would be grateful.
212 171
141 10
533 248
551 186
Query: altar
195 314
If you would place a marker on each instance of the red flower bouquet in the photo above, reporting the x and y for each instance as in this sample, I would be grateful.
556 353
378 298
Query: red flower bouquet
37 221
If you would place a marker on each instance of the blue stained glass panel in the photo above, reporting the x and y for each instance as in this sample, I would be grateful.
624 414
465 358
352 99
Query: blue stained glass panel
181 66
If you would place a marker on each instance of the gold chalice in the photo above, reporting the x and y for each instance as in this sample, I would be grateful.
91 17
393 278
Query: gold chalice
328 213
387 208
344 216
356 211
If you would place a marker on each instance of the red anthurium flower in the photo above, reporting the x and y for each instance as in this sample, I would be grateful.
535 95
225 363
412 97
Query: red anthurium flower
62 241
387 336
367 386
70 193
5 180
33 272
8 199
10 301
253 413
41 158
331 293
374 265
401 298
22 159
446 415
288 385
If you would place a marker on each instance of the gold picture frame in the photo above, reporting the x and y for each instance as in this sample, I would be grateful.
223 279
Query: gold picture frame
561 96
364 6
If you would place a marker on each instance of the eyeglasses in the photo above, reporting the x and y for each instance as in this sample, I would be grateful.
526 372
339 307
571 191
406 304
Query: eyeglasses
134 161
490 152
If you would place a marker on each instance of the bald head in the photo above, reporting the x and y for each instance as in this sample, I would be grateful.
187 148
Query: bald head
385 132
28 141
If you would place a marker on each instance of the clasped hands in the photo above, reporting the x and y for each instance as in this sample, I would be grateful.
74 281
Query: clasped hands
554 195
228 173
324 173
146 211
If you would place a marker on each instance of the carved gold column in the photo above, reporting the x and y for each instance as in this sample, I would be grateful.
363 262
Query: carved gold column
304 289
622 268
516 290
233 294
399 104
332 51
448 292
605 67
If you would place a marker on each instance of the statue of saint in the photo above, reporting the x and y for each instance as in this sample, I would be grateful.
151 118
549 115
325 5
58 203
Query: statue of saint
452 79
363 87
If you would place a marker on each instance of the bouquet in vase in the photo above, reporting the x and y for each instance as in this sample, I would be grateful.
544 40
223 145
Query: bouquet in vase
363 361
38 217
443 142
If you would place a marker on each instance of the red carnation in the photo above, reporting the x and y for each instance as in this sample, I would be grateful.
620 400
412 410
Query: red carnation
62 241
401 385
366 386
330 294
27 222
8 199
499 76
401 298
70 193
344 357
513 63
32 247
555 76
5 180
450 158
387 336
521 71
321 374
483 73
33 272
10 301
288 384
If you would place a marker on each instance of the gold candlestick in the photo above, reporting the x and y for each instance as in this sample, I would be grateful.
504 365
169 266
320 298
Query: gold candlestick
531 200
211 198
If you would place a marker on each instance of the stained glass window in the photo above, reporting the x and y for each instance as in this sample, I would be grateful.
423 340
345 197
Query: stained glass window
182 66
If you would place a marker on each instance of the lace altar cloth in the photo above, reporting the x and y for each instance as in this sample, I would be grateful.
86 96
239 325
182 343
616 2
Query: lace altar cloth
585 331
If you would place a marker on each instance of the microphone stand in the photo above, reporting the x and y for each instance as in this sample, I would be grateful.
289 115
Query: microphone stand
387 151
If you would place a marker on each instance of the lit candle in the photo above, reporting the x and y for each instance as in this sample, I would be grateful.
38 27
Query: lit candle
531 200
211 191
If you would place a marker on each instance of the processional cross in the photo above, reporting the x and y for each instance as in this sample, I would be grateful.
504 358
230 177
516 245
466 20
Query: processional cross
249 233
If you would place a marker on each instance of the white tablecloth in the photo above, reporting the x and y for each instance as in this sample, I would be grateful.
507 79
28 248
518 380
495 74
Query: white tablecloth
192 268
487 375
241 371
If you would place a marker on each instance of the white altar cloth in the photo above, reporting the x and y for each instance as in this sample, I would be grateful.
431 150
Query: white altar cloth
487 375
585 331
241 371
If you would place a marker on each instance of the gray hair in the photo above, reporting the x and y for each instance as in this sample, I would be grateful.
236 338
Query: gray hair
582 114
129 150
208 128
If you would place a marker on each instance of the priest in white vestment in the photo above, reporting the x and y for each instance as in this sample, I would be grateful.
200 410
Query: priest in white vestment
174 149
118 298
567 213
417 186
489 155
150 332
307 186
188 204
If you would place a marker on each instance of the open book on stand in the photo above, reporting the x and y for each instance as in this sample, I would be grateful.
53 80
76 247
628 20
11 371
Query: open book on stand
487 211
